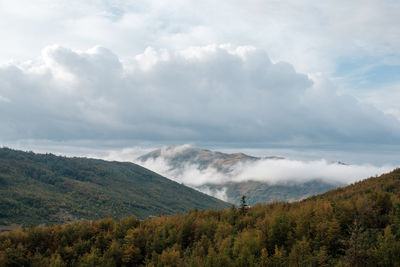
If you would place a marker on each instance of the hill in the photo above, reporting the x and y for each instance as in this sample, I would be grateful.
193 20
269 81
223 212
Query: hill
44 188
177 160
358 225
179 156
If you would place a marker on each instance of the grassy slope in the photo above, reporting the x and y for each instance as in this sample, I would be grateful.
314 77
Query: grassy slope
43 188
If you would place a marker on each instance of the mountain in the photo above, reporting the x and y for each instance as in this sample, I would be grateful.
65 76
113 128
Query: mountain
262 192
177 160
179 156
358 225
44 188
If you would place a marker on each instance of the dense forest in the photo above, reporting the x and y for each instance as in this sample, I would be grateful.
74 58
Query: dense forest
44 188
358 225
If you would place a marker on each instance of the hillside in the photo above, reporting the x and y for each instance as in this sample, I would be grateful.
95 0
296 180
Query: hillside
260 192
358 225
44 188
176 161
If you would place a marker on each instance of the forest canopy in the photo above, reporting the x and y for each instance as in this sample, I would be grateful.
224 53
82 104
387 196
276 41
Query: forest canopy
358 225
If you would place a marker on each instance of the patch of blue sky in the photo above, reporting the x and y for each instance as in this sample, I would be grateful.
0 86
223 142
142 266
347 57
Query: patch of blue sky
383 74
348 66
370 73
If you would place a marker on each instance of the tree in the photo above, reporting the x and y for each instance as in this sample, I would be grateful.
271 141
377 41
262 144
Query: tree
243 205
300 255
356 253
387 250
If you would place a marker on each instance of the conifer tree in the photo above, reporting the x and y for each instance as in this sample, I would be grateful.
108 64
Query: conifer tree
243 205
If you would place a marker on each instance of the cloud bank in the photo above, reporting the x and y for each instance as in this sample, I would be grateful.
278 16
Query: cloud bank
267 170
215 93
315 36
355 43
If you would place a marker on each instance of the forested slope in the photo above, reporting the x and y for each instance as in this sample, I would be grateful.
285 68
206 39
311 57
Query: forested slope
358 225
44 188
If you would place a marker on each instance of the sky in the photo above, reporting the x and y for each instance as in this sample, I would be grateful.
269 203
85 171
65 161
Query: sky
297 78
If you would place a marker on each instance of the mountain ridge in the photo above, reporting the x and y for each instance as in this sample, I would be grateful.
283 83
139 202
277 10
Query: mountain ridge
44 188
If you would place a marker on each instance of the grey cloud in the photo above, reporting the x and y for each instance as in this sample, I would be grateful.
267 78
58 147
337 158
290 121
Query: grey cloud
220 94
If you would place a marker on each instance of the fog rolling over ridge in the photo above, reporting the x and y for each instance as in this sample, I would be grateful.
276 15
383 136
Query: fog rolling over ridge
261 179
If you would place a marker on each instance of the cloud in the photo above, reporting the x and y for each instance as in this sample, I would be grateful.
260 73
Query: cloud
4 99
217 193
286 170
313 36
385 99
215 93
271 171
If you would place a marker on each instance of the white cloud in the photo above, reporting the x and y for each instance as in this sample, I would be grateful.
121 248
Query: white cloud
385 98
220 94
277 171
217 193
272 171
313 36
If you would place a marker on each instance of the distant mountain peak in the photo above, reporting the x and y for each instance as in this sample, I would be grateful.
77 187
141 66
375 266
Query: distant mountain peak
221 174
179 155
